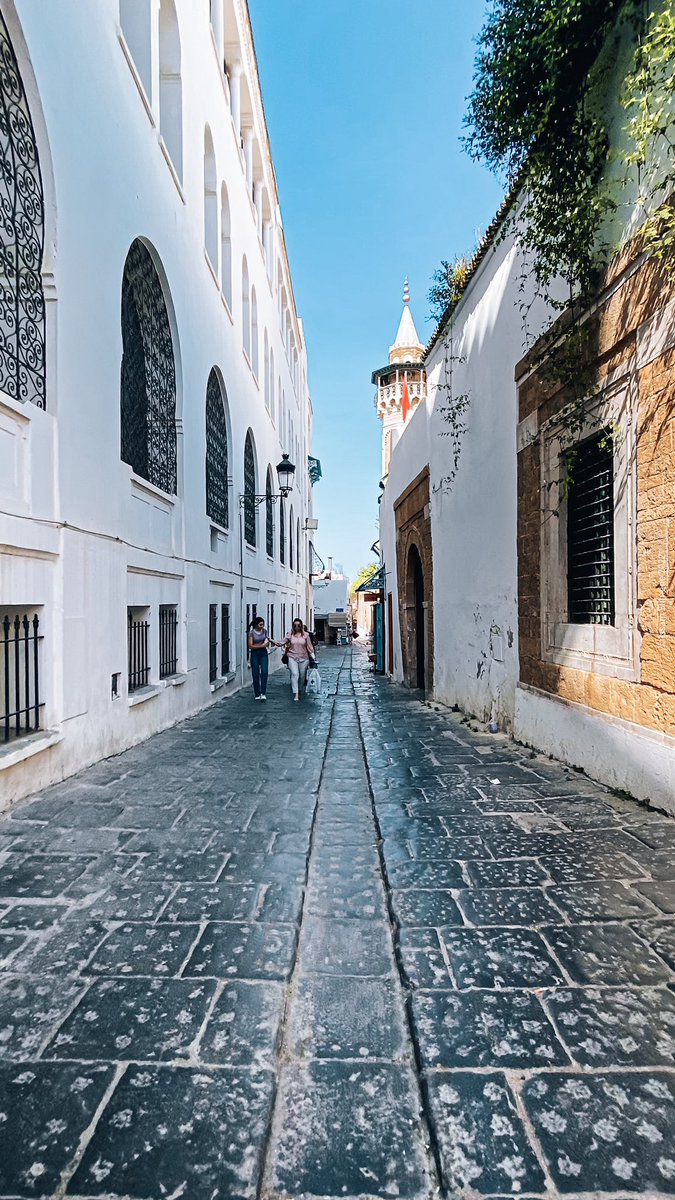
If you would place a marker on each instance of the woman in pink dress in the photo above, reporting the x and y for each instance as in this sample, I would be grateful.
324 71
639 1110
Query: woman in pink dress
298 647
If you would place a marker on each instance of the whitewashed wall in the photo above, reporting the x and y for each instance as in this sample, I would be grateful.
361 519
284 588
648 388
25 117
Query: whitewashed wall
80 537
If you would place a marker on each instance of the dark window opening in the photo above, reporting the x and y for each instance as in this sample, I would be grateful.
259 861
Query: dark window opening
590 533
168 640
224 639
137 646
217 499
20 701
249 492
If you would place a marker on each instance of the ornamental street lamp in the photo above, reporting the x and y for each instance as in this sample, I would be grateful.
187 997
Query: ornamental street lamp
285 476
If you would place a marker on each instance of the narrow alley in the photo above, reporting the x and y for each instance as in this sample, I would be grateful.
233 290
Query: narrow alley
345 948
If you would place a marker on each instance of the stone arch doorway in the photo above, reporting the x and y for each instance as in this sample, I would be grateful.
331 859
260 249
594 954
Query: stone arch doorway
415 603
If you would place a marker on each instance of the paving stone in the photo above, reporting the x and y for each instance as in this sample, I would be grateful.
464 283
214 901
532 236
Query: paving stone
499 958
660 894
184 868
611 954
604 1027
346 901
44 1110
281 902
349 1130
212 902
516 872
262 867
443 874
196 1133
30 1009
476 1029
610 1132
249 951
39 875
243 1028
575 867
424 967
62 950
346 947
130 901
418 907
32 916
9 945
483 1146
142 949
507 906
610 901
134 1019
660 935
337 1017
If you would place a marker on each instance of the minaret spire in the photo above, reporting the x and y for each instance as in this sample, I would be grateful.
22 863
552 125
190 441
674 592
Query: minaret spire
406 292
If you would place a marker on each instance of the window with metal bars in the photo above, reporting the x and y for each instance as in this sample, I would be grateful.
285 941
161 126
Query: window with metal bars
20 701
282 531
168 640
213 642
217 499
224 639
590 532
138 628
269 516
148 377
249 491
291 560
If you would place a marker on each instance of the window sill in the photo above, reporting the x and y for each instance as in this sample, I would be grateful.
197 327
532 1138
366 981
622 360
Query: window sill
136 77
140 484
142 694
25 747
221 681
227 308
169 162
176 680
212 269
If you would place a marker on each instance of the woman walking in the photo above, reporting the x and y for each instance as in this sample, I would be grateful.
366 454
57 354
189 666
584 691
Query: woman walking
258 644
300 653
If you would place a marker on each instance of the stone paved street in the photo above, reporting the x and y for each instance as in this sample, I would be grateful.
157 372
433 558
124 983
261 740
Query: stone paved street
343 948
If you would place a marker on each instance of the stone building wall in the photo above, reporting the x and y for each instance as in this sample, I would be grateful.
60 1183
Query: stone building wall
413 529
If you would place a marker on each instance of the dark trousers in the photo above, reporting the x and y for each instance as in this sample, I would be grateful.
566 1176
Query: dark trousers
259 668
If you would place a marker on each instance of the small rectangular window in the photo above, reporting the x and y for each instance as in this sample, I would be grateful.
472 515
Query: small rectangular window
590 532
168 640
138 628
224 639
213 642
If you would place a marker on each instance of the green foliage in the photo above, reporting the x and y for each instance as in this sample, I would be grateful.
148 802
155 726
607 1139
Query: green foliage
448 284
364 573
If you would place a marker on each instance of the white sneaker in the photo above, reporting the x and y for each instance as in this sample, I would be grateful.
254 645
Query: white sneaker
263 697
256 697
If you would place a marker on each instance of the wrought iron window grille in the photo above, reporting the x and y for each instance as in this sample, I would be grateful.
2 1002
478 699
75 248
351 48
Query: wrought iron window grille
590 533
138 652
22 302
148 374
217 454
224 639
20 702
213 642
168 640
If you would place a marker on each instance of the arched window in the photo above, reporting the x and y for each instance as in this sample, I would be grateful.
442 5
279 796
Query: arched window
282 531
291 556
217 496
148 384
298 550
272 397
225 247
170 85
210 201
249 491
136 25
266 370
246 309
22 305
269 515
254 333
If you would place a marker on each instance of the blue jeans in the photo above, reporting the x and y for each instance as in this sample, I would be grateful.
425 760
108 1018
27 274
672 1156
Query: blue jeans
259 669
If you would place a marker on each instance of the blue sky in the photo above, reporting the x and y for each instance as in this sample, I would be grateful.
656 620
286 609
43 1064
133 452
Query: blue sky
365 103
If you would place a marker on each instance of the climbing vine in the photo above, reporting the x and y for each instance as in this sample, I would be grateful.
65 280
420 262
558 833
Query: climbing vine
444 294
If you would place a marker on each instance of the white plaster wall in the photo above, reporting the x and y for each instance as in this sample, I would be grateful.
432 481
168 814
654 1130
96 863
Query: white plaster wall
112 540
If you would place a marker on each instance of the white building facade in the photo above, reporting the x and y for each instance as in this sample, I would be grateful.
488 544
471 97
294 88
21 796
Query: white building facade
153 371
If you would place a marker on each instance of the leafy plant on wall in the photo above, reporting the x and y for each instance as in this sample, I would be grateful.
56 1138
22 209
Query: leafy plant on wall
444 294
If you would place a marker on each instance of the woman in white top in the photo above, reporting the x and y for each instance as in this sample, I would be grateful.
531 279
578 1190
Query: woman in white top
298 647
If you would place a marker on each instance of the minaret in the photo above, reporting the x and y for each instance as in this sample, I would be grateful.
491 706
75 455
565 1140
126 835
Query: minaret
406 359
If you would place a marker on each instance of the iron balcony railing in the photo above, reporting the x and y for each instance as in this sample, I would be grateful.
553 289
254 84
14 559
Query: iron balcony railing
20 676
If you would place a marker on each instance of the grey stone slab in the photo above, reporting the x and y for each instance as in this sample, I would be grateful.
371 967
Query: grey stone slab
130 901
157 841
330 947
607 901
350 900
660 935
45 1108
30 1009
515 872
439 874
612 1027
10 944
349 1130
62 950
264 868
477 1029
662 894
244 1027
484 1148
195 1133
508 906
183 868
144 949
424 967
611 954
212 902
344 1018
134 1019
660 864
39 875
443 848
610 1132
657 833
281 902
32 917
77 841
418 907
500 958
577 866
243 950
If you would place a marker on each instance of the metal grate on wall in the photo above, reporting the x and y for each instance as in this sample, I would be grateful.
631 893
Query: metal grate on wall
590 533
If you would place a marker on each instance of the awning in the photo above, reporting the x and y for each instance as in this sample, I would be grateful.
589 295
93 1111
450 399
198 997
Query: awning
338 620
375 582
